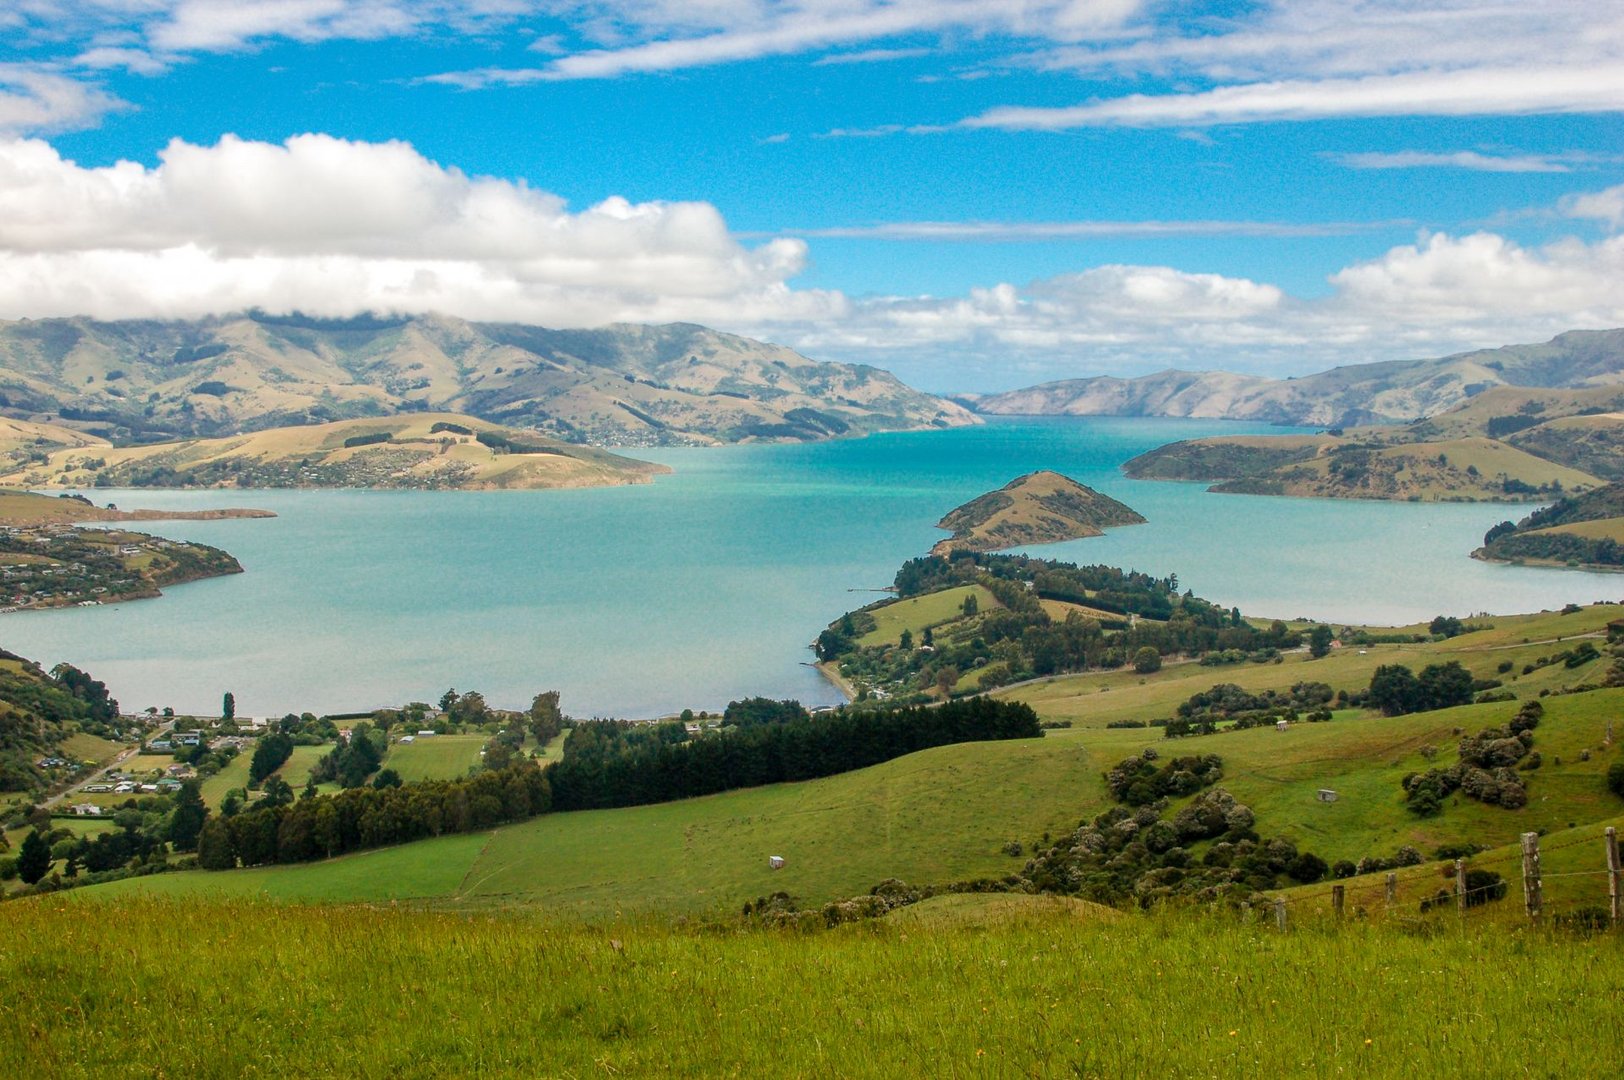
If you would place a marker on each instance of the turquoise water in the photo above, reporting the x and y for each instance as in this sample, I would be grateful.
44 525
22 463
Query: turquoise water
708 584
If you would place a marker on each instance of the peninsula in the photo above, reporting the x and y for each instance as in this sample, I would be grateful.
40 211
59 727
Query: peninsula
1042 507
428 451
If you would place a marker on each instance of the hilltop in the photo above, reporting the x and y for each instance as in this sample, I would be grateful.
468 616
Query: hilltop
1042 507
423 450
1357 394
622 385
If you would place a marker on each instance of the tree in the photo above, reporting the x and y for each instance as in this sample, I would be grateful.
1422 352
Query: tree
33 858
232 803
1147 660
498 755
386 778
269 755
970 605
278 792
947 678
1442 686
1615 778
215 850
906 641
1445 626
1394 690
186 820
228 706
546 718
1319 641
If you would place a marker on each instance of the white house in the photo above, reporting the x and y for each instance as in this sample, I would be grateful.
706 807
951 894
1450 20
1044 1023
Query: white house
775 862
87 810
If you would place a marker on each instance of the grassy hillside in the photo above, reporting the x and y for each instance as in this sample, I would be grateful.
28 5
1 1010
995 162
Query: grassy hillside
947 814
441 757
426 450
1580 530
1380 463
968 988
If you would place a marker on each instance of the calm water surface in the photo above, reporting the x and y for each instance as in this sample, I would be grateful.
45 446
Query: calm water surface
708 584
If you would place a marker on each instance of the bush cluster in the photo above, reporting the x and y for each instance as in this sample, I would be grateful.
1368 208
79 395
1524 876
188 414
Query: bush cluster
1139 781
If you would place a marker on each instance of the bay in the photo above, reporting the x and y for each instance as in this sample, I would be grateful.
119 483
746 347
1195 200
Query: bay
708 584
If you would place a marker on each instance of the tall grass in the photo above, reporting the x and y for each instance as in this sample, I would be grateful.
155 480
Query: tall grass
198 988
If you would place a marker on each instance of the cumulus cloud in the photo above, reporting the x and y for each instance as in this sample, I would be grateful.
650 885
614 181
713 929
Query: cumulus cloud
332 226
1437 295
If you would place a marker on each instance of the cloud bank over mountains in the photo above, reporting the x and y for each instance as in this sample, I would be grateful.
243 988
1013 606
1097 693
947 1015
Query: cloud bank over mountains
334 227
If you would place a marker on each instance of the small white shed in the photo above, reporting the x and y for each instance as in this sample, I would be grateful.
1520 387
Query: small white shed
775 862
1282 725
1327 795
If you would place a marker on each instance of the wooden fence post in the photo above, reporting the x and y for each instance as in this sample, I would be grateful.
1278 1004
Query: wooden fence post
1392 889
1339 896
1530 862
1613 875
1460 885
1280 913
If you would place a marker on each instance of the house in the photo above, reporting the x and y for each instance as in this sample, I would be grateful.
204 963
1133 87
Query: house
168 783
179 770
160 744
1282 725
124 788
186 738
775 862
426 733
86 810
1327 795
408 738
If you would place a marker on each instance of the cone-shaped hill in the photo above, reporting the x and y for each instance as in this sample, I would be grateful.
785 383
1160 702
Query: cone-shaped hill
1039 508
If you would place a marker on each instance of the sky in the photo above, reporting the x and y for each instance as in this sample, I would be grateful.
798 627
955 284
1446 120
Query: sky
976 195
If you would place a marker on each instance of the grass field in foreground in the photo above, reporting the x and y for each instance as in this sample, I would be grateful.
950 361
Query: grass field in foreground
1011 989
437 757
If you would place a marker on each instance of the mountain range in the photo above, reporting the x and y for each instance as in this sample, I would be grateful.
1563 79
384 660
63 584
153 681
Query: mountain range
1390 392
621 385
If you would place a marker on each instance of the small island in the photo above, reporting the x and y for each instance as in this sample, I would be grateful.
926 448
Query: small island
1042 507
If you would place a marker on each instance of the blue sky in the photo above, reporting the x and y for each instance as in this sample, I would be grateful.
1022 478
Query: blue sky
976 195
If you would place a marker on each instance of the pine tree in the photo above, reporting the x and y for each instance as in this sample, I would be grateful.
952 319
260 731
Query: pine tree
33 858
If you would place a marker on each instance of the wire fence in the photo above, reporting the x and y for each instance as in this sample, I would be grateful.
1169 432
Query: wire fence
1584 886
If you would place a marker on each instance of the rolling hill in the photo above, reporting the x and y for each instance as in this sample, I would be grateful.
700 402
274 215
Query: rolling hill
1504 444
1358 394
421 450
625 385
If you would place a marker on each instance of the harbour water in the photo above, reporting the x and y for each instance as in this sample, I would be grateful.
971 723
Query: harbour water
708 584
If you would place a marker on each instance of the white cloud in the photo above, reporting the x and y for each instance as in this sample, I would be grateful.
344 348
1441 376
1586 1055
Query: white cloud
1438 295
1558 88
1607 205
1470 160
332 227
670 35
327 225
869 56
32 99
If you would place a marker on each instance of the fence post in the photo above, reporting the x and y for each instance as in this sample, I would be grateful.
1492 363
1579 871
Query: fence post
1530 862
1460 885
1339 895
1280 912
1613 875
1392 889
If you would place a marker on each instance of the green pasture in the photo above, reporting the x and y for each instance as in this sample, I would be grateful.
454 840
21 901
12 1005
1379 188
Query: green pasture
436 757
975 987
917 613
